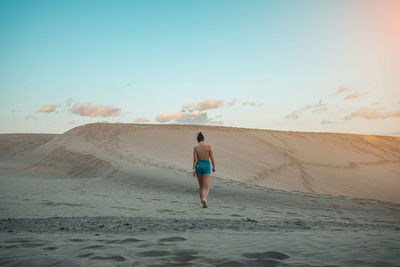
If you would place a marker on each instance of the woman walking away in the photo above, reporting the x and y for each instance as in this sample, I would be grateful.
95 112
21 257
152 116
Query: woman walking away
201 167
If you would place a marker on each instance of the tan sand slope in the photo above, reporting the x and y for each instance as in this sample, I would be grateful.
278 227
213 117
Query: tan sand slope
327 163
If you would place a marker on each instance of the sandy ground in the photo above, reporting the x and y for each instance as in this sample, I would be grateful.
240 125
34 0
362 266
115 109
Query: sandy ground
107 195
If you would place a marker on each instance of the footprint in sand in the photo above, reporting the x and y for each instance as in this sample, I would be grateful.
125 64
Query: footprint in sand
77 240
85 255
23 242
184 258
113 258
93 247
266 255
167 211
129 240
50 248
230 263
172 239
31 245
154 253
10 246
119 241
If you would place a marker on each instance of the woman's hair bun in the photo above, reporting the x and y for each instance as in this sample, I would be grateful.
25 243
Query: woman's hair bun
200 137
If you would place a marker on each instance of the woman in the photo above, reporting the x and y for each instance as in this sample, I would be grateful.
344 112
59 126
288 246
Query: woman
202 168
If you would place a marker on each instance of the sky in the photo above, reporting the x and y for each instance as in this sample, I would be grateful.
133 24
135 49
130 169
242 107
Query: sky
325 66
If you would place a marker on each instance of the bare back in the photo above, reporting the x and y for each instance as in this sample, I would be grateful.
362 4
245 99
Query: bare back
203 152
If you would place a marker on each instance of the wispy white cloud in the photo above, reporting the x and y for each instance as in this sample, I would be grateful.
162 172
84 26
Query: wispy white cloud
292 115
232 102
316 108
327 122
89 110
320 110
195 117
30 117
252 103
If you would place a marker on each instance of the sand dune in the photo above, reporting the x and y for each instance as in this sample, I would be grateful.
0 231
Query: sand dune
122 194
325 163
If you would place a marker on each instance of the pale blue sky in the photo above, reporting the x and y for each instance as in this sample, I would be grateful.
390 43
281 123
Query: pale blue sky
147 58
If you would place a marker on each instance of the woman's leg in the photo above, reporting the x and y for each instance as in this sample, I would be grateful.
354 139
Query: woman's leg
206 185
200 180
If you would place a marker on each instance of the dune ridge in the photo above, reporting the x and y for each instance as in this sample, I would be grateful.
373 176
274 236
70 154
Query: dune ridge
362 166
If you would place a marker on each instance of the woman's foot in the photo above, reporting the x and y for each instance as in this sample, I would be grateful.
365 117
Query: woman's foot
204 203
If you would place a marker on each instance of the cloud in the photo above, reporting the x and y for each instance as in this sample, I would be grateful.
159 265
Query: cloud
215 123
341 89
141 120
252 103
184 117
194 112
232 102
353 96
320 110
365 113
320 104
30 117
317 108
391 114
295 114
168 116
372 114
89 110
194 118
48 108
326 122
69 101
292 115
203 105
